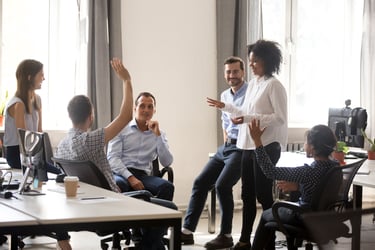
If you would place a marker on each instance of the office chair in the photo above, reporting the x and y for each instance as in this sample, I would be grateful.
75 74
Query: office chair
321 224
156 171
324 199
349 171
89 173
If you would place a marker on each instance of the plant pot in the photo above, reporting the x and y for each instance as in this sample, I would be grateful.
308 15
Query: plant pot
371 155
1 120
339 156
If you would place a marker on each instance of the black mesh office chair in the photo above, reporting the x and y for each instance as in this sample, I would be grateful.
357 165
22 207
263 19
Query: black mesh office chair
89 173
324 199
156 171
322 224
349 171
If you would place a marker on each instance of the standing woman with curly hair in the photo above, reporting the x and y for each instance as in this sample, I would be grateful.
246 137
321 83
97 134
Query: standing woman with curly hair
266 100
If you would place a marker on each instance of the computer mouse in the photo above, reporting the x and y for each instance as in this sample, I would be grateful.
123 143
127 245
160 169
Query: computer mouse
60 178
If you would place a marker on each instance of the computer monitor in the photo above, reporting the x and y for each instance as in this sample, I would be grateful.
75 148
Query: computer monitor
31 152
347 123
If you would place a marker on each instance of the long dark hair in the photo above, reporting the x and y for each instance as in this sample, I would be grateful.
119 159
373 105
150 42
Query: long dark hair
27 68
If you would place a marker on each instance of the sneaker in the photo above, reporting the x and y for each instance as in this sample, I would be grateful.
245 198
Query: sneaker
187 239
242 246
221 241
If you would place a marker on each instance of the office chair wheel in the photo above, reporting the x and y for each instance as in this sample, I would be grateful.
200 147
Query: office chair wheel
3 239
104 246
21 244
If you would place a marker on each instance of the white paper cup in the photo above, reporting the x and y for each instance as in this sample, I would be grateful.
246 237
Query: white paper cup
71 185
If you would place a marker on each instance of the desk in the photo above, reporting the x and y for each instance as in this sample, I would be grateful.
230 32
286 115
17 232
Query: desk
12 220
360 181
53 211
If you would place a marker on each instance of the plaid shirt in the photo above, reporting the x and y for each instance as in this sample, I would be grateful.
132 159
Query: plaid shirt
79 145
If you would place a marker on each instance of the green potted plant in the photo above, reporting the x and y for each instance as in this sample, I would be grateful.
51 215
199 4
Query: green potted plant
371 148
340 151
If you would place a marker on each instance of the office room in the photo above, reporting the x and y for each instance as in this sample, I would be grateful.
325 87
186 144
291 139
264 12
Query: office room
176 49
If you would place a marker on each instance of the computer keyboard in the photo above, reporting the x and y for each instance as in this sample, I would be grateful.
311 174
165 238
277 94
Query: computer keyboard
358 154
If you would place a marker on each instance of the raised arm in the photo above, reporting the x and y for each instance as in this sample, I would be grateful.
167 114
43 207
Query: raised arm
126 110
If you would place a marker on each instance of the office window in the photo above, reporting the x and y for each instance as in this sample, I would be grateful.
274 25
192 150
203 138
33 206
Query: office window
321 42
47 31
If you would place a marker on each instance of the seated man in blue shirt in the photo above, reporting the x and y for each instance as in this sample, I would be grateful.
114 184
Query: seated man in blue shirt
131 152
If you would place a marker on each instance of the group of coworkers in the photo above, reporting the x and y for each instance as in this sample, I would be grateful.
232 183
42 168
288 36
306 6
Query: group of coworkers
254 123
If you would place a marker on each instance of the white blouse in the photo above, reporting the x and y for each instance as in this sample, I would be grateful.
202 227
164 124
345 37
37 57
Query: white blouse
265 100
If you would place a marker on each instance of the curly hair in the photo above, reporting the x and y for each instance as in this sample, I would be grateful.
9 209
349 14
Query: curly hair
269 52
322 138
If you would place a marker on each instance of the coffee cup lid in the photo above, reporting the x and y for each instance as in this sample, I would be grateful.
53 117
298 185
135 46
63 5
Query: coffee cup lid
71 178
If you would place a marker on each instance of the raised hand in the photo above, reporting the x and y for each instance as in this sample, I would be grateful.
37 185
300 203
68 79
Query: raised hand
256 132
120 70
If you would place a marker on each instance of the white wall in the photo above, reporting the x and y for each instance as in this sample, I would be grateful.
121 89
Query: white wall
169 47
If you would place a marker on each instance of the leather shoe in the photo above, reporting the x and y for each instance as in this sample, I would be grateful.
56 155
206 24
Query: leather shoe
243 246
187 239
221 241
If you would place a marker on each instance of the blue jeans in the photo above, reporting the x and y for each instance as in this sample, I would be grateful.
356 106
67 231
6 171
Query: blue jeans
255 186
223 170
159 187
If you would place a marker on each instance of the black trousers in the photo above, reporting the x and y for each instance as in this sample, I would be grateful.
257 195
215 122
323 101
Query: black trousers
255 186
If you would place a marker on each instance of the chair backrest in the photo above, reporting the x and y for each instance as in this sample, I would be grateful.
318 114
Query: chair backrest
326 193
48 152
349 171
86 171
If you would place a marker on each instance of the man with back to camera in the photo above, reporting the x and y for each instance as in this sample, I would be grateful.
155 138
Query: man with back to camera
82 144
132 151
223 169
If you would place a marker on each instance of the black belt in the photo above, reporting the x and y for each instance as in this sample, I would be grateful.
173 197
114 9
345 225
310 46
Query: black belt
231 141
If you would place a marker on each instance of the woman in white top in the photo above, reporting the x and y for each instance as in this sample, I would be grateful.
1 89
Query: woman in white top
24 108
265 100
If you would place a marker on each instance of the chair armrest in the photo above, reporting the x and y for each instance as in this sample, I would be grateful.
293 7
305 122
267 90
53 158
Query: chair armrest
296 207
139 194
169 171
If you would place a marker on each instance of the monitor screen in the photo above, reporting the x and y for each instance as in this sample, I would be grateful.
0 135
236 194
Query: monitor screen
346 125
32 157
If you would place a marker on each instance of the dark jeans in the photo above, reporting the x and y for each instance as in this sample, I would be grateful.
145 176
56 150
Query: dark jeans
13 157
263 235
152 238
159 187
255 186
223 170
